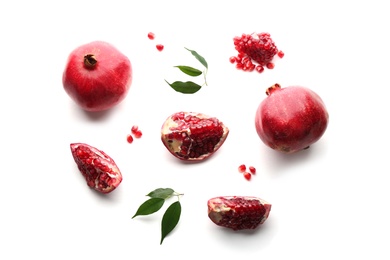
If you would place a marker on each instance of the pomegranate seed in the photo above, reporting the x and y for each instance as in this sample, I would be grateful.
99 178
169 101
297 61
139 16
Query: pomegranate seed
160 47
247 175
270 65
134 129
281 54
232 59
242 168
138 134
259 68
151 36
130 139
252 169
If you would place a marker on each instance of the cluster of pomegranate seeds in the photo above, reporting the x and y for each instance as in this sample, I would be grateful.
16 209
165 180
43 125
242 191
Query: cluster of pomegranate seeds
255 51
134 132
151 36
247 174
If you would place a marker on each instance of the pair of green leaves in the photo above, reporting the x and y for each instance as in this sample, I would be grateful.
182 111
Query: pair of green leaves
155 202
190 87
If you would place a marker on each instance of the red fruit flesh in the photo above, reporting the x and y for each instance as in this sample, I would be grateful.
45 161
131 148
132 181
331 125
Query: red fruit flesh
238 212
247 176
193 136
97 76
252 169
291 119
242 168
98 169
151 36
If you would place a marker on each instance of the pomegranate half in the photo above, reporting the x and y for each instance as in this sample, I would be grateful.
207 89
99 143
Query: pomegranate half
192 136
291 119
97 76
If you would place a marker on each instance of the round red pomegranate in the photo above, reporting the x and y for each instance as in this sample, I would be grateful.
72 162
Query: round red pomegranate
291 119
97 76
192 136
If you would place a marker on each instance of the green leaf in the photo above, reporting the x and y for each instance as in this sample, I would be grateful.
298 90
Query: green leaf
198 57
162 193
150 206
189 71
170 219
188 87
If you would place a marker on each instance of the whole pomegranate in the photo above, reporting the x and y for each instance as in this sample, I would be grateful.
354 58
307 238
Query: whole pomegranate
291 119
192 136
97 76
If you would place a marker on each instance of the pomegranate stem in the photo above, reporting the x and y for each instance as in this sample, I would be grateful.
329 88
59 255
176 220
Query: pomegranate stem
90 61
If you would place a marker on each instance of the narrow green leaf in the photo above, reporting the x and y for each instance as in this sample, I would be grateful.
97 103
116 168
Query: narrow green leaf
150 206
198 57
170 219
188 87
162 193
189 70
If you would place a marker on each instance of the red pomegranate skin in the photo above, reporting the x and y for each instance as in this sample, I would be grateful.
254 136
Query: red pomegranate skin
97 76
291 119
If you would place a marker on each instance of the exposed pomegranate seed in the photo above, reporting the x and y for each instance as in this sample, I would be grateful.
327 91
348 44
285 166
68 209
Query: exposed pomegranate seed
270 65
232 59
242 168
252 169
160 47
259 68
137 134
151 36
130 139
134 129
247 175
281 54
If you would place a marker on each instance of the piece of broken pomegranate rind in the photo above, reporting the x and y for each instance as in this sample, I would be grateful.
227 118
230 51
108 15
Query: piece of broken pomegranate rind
193 136
238 212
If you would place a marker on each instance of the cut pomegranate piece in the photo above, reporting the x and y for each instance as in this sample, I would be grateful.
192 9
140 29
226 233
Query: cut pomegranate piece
193 136
98 169
238 212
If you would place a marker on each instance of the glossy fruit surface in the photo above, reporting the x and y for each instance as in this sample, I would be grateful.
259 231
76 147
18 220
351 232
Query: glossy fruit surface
291 119
99 170
238 212
193 136
97 76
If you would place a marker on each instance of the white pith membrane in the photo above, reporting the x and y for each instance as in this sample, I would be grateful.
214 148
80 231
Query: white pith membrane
218 206
174 145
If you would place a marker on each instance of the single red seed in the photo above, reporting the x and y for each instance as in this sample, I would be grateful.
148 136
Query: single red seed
232 59
242 168
281 54
160 47
259 68
151 36
247 175
134 129
270 65
130 139
138 134
252 169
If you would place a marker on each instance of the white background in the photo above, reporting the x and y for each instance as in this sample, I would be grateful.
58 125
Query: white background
328 202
